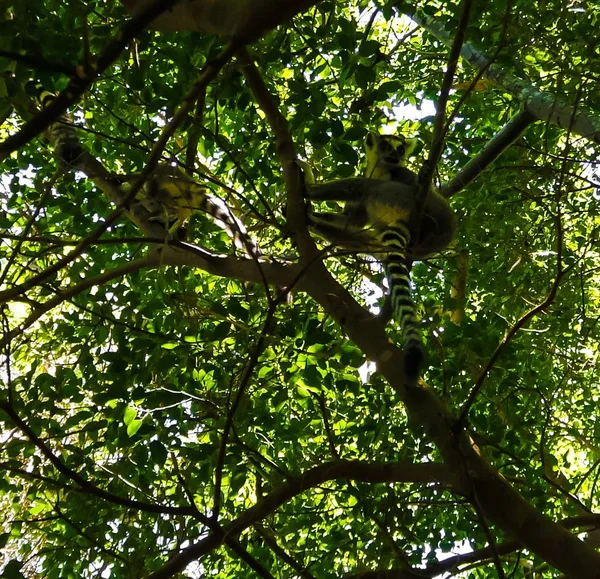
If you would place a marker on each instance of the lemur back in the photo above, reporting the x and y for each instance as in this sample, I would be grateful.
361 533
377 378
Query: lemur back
376 220
171 197
386 159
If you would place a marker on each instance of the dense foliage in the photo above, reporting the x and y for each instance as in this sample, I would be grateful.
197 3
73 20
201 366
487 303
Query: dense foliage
145 413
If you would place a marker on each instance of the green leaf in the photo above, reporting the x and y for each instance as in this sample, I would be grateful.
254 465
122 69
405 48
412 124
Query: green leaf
158 452
134 426
129 415
220 331
169 345
365 76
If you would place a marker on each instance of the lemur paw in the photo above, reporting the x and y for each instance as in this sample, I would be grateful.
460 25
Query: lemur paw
424 171
306 170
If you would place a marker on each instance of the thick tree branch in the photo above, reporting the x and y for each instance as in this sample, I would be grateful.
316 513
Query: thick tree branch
178 253
498 501
244 269
245 20
336 470
492 150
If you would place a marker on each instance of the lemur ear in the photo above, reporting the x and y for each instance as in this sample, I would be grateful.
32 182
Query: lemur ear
371 139
410 145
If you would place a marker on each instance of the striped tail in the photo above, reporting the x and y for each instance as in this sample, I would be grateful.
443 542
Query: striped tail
221 213
171 197
62 134
395 238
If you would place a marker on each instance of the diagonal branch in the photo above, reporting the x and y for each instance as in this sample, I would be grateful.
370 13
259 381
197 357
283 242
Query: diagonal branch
80 84
439 127
286 151
543 106
492 150
209 72
440 117
69 293
498 501
84 484
239 395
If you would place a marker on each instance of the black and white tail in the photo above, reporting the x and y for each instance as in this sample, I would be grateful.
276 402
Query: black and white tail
395 239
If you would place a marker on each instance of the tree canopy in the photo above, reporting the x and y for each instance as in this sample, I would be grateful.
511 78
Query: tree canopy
181 408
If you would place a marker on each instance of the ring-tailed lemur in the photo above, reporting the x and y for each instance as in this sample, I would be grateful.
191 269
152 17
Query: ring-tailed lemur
376 219
168 194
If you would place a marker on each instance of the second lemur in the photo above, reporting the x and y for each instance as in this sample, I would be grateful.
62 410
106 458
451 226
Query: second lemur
376 219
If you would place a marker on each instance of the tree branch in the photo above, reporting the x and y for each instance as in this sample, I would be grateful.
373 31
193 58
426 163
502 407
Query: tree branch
543 106
426 176
286 151
209 72
492 150
83 483
38 62
245 20
241 390
78 85
335 470
282 554
69 293
499 502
